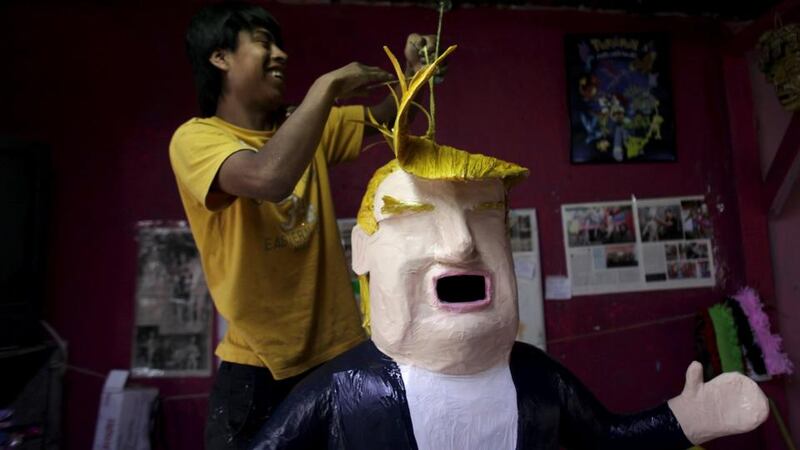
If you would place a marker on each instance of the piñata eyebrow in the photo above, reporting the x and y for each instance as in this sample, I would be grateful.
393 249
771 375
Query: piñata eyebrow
489 205
392 206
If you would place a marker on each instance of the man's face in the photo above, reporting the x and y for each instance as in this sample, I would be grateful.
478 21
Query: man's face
442 287
256 73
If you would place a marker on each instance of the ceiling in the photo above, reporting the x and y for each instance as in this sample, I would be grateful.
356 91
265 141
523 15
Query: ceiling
722 9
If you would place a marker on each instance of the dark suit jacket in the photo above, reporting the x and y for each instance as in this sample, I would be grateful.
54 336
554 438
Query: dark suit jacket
358 401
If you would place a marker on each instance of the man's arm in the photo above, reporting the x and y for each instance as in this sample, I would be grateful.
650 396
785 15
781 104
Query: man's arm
272 173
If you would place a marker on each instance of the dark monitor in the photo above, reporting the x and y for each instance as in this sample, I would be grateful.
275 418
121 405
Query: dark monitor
24 193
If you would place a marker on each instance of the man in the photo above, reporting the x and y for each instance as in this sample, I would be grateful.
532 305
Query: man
254 183
442 370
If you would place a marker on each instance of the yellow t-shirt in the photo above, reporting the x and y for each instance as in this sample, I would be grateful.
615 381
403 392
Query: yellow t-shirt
276 271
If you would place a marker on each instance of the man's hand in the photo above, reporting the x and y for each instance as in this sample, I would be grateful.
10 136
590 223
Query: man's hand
416 47
729 404
354 79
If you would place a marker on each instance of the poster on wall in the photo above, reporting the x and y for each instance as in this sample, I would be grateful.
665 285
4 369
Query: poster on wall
638 245
172 330
620 98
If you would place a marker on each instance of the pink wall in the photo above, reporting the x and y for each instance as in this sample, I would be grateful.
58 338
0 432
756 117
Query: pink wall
772 124
107 86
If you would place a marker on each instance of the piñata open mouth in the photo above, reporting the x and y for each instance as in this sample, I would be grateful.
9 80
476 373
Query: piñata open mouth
463 291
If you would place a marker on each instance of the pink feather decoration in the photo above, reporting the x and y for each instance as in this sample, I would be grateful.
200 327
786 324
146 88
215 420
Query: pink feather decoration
777 362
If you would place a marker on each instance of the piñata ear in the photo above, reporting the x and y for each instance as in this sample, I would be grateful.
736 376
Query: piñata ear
359 240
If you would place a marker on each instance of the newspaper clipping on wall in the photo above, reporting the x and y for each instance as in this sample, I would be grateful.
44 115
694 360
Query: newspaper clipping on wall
173 328
638 245
524 235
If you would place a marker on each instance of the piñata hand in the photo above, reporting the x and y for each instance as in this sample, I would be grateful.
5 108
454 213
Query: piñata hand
729 404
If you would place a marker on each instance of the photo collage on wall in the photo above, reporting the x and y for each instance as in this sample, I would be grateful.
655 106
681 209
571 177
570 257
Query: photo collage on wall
676 240
173 319
638 245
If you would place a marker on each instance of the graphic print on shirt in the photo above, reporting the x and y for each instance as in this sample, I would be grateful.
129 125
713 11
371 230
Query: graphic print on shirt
298 217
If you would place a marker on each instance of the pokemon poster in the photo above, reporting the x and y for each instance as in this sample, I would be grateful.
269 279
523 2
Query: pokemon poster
620 98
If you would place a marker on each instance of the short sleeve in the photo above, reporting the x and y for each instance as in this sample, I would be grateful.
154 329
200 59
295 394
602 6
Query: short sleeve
197 152
343 134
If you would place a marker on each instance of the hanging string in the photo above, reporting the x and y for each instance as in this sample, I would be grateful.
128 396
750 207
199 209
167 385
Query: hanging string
439 28
776 414
432 123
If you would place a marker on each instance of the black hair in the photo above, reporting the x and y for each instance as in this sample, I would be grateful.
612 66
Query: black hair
217 27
